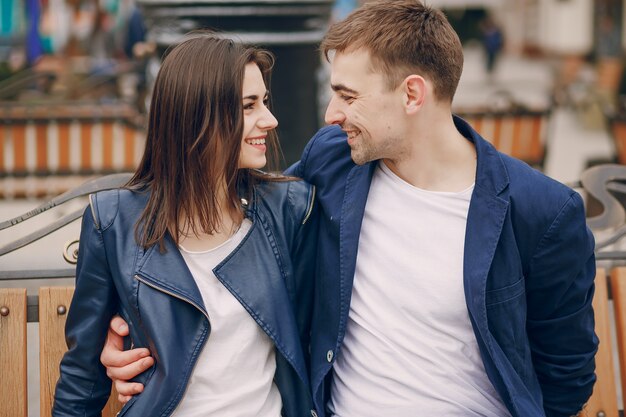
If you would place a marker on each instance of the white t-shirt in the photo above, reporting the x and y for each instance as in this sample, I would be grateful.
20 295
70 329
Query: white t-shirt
409 348
234 373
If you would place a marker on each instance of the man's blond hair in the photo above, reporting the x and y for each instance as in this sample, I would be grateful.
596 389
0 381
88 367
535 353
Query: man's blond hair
403 37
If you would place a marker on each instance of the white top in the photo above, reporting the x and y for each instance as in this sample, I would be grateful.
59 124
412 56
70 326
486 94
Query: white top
234 373
409 348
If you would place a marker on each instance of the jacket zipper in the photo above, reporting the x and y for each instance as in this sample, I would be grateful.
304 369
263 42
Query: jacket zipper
143 280
310 208
149 284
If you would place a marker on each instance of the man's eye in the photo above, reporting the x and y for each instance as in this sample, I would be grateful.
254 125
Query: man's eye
348 99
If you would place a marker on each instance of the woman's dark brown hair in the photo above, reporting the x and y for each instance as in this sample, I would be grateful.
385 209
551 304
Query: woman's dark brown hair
195 130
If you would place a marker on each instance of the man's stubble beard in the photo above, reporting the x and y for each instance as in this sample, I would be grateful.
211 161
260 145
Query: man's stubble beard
364 151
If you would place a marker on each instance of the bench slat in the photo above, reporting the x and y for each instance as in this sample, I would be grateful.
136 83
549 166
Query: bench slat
13 383
618 290
604 398
51 341
52 346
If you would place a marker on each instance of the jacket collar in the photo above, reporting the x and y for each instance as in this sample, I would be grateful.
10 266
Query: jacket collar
168 269
491 174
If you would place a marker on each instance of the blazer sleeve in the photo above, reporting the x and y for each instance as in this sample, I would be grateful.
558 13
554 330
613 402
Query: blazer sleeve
560 316
304 258
83 387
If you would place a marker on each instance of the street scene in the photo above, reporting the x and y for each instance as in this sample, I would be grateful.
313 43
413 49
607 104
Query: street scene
542 80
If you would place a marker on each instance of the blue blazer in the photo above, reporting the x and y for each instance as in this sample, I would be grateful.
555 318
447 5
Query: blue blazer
528 274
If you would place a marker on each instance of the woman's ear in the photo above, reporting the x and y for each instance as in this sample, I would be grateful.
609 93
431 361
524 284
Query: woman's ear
414 93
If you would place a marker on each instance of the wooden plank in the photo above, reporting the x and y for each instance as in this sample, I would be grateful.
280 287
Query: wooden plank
51 341
604 397
129 148
85 145
52 346
619 138
13 384
497 131
107 145
618 290
517 146
64 146
537 143
41 140
19 147
112 406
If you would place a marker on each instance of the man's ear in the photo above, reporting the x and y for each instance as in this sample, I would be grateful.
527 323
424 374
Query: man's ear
414 93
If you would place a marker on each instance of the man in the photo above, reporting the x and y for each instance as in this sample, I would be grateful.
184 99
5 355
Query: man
452 280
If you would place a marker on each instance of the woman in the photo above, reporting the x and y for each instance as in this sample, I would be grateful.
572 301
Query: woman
207 259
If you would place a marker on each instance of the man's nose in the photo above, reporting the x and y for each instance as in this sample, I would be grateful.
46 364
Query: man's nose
334 112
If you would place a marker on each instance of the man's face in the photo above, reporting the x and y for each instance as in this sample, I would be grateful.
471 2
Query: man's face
365 108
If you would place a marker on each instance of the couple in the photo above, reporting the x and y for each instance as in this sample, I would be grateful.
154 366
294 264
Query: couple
449 279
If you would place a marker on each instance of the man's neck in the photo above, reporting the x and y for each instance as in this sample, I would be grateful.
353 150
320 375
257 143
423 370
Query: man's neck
439 159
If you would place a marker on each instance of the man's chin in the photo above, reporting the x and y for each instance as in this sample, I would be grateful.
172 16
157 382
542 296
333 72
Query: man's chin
359 158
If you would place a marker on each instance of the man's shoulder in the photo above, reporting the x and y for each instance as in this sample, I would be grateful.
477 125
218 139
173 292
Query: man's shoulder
534 183
535 195
327 153
294 197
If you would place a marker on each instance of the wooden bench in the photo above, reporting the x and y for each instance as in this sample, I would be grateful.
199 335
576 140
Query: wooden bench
520 133
54 303
53 307
603 402
49 308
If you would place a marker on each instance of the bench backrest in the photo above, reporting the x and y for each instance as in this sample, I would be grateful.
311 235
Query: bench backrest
54 304
521 134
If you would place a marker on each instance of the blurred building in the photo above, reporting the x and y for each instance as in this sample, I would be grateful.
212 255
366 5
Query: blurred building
80 53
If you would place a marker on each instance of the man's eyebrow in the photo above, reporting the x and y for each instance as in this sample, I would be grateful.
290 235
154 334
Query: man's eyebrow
341 87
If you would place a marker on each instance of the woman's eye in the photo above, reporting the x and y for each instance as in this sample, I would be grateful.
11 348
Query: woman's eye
248 106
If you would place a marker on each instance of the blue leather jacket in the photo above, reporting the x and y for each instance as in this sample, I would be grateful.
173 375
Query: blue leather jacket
528 273
270 273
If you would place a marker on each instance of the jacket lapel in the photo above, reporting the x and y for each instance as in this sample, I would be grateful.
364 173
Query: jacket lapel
352 210
170 273
262 292
485 219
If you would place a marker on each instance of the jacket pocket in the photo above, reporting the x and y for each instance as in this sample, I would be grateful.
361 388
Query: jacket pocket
506 315
504 294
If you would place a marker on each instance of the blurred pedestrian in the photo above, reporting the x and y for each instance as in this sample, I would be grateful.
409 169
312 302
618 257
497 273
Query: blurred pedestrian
492 42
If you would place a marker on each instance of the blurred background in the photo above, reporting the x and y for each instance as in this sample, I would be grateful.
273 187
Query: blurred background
543 80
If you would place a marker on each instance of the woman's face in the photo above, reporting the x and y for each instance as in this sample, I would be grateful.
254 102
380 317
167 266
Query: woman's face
257 119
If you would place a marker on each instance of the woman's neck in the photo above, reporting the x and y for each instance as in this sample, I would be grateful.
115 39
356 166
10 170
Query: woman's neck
193 238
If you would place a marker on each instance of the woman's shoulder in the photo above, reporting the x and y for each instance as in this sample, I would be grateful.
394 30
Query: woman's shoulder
105 205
